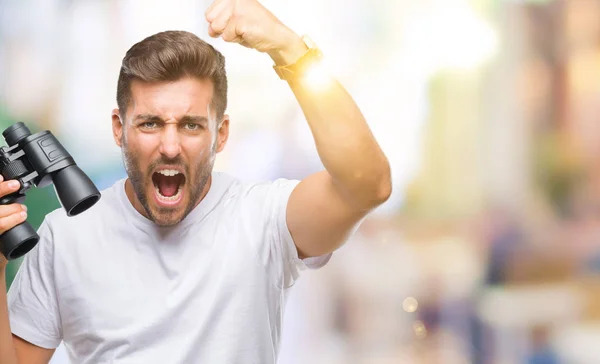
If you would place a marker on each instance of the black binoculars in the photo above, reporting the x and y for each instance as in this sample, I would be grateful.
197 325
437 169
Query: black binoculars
40 160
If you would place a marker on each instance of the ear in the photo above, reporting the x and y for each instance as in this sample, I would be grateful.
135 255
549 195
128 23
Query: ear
223 133
117 127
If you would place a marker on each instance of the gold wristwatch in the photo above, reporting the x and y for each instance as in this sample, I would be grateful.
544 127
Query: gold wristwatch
295 70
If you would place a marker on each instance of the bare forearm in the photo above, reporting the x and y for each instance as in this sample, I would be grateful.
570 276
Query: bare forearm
345 144
8 354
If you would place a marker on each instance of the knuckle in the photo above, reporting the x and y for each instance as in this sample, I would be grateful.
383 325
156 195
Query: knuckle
241 27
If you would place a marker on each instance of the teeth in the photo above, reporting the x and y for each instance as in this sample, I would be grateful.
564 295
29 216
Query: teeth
171 198
168 172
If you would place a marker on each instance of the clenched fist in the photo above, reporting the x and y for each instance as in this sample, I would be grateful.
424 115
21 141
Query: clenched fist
250 24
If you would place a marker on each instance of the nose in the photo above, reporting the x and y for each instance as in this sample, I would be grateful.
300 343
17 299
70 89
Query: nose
170 145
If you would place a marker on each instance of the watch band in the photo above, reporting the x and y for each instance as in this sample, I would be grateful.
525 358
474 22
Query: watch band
294 70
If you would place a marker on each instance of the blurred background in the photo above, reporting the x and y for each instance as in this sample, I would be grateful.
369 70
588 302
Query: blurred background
489 248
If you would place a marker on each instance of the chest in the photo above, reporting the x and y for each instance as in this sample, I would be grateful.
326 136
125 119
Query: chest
138 292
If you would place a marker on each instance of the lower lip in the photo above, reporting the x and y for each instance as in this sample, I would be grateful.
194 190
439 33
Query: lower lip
167 203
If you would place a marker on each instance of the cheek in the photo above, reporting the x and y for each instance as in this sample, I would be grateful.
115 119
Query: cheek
197 148
140 149
146 141
198 155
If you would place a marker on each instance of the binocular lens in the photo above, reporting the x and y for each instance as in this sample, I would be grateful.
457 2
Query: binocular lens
75 190
18 241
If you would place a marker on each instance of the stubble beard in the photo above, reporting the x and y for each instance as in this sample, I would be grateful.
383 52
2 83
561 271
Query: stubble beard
164 216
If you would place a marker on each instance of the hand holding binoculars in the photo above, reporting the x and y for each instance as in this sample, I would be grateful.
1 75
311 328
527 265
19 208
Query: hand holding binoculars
40 160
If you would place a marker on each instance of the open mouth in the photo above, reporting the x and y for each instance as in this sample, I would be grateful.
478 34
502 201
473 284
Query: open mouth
168 185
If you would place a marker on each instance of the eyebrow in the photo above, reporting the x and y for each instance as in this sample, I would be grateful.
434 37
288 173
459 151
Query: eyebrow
185 119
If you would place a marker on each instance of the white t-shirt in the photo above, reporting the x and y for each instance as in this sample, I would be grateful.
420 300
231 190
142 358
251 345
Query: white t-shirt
116 288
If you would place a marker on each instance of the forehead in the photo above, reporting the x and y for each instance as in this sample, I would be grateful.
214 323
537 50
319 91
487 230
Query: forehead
171 99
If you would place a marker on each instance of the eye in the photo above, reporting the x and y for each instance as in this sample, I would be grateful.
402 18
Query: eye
149 125
191 126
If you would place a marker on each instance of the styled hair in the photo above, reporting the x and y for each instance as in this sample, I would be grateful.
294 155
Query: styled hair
170 56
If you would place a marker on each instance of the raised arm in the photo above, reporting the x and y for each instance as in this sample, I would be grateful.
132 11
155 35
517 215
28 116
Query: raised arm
325 207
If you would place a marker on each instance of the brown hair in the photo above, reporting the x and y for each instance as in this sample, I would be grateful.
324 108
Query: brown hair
169 56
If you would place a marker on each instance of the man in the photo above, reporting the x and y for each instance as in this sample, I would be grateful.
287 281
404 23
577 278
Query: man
177 264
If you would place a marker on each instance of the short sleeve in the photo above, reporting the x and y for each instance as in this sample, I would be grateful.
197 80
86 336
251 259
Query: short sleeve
32 303
285 264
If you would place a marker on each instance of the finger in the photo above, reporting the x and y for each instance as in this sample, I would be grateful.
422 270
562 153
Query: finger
7 210
9 187
10 221
209 13
212 32
217 27
230 33
215 9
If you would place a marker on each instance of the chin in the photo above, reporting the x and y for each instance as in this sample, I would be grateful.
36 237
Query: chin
166 213
166 221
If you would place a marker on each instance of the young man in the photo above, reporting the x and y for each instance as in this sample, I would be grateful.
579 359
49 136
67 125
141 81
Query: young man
179 264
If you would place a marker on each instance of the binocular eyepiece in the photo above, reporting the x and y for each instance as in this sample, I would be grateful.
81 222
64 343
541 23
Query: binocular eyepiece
40 160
